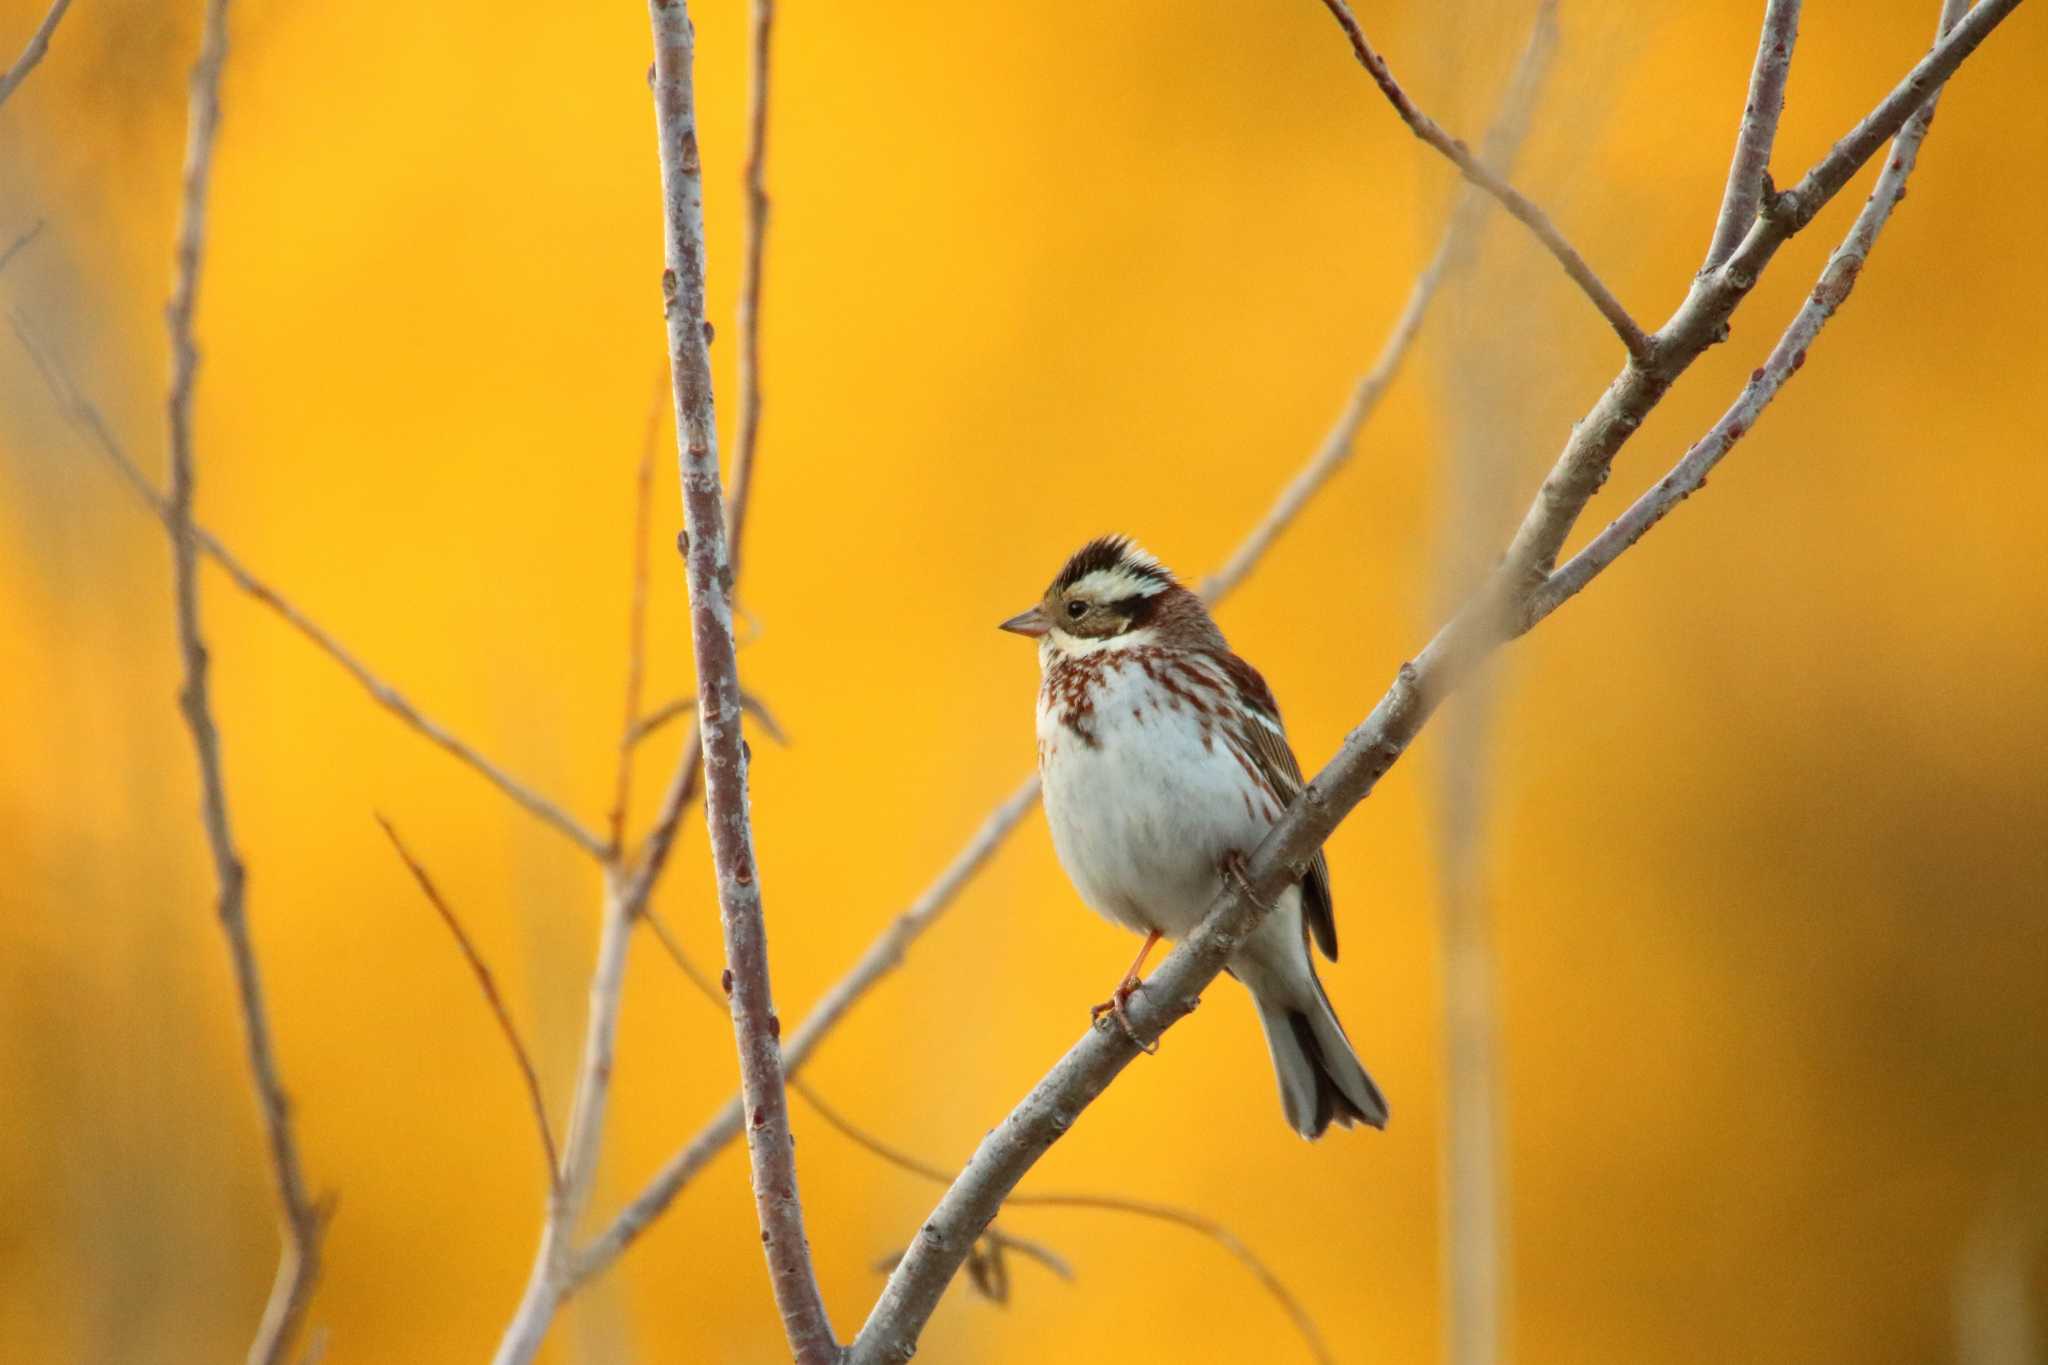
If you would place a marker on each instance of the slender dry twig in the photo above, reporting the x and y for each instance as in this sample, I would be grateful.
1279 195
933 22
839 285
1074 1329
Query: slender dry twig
756 1030
1480 174
299 1260
86 415
887 951
636 624
38 44
761 31
21 243
1488 620
1759 131
679 707
489 985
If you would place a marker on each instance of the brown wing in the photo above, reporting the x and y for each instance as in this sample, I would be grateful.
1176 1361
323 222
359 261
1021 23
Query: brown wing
1275 758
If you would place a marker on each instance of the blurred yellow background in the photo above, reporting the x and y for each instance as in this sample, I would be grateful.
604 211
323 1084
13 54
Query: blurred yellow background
1768 828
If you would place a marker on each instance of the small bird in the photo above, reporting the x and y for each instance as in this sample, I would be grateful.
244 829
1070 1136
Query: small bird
1164 764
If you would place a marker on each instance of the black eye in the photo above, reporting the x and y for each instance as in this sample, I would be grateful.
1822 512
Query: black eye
1076 610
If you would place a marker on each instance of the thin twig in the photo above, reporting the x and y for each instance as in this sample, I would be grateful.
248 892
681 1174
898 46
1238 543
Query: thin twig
86 415
678 707
1477 171
21 243
636 623
888 950
38 44
1751 164
299 1260
1419 688
756 1030
489 985
761 31
1686 477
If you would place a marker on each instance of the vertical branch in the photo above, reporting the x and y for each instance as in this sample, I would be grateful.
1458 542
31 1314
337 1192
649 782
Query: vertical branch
1759 131
636 628
756 1028
763 28
299 1263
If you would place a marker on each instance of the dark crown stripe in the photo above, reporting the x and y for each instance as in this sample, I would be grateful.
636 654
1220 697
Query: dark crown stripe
1108 552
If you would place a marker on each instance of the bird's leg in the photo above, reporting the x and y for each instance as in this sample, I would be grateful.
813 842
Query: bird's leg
1233 867
1118 997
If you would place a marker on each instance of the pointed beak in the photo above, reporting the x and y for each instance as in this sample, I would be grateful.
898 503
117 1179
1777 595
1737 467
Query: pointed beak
1031 623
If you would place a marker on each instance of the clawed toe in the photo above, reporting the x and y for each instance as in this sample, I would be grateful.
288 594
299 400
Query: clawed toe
1237 870
1115 1006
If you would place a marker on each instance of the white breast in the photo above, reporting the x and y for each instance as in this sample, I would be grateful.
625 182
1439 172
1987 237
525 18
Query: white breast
1142 815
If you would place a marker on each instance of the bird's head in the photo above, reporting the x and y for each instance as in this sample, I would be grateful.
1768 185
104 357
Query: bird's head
1108 592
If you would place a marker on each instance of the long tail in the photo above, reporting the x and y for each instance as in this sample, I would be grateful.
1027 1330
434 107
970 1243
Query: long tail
1321 1078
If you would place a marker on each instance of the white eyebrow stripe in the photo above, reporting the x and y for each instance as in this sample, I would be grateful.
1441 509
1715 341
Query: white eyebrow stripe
1113 585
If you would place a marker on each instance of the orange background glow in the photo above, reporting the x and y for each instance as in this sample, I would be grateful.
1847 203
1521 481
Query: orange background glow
1765 808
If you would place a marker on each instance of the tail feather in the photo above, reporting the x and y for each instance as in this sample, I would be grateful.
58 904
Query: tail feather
1321 1078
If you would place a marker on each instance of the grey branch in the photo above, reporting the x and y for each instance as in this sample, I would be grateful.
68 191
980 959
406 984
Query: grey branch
1479 173
1759 130
1686 477
299 1260
38 44
756 1029
85 414
1495 614
888 950
488 983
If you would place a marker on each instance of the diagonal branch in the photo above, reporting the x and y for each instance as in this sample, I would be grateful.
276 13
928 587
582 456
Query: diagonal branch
887 952
1480 174
756 1029
1689 475
1420 686
86 415
299 1261
38 44
1752 161
489 985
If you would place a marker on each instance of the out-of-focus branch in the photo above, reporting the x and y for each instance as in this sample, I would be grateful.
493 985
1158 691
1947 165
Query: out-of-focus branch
299 1261
21 243
489 985
38 44
756 1029
1491 617
636 625
1837 279
1484 176
761 32
1759 131
86 415
888 950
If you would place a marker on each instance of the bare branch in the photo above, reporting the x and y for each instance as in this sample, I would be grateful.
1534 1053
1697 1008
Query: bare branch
761 30
888 950
756 1029
38 44
1488 620
84 414
1476 171
299 1261
897 1157
489 984
1700 322
678 707
1759 131
636 623
1837 279
21 243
